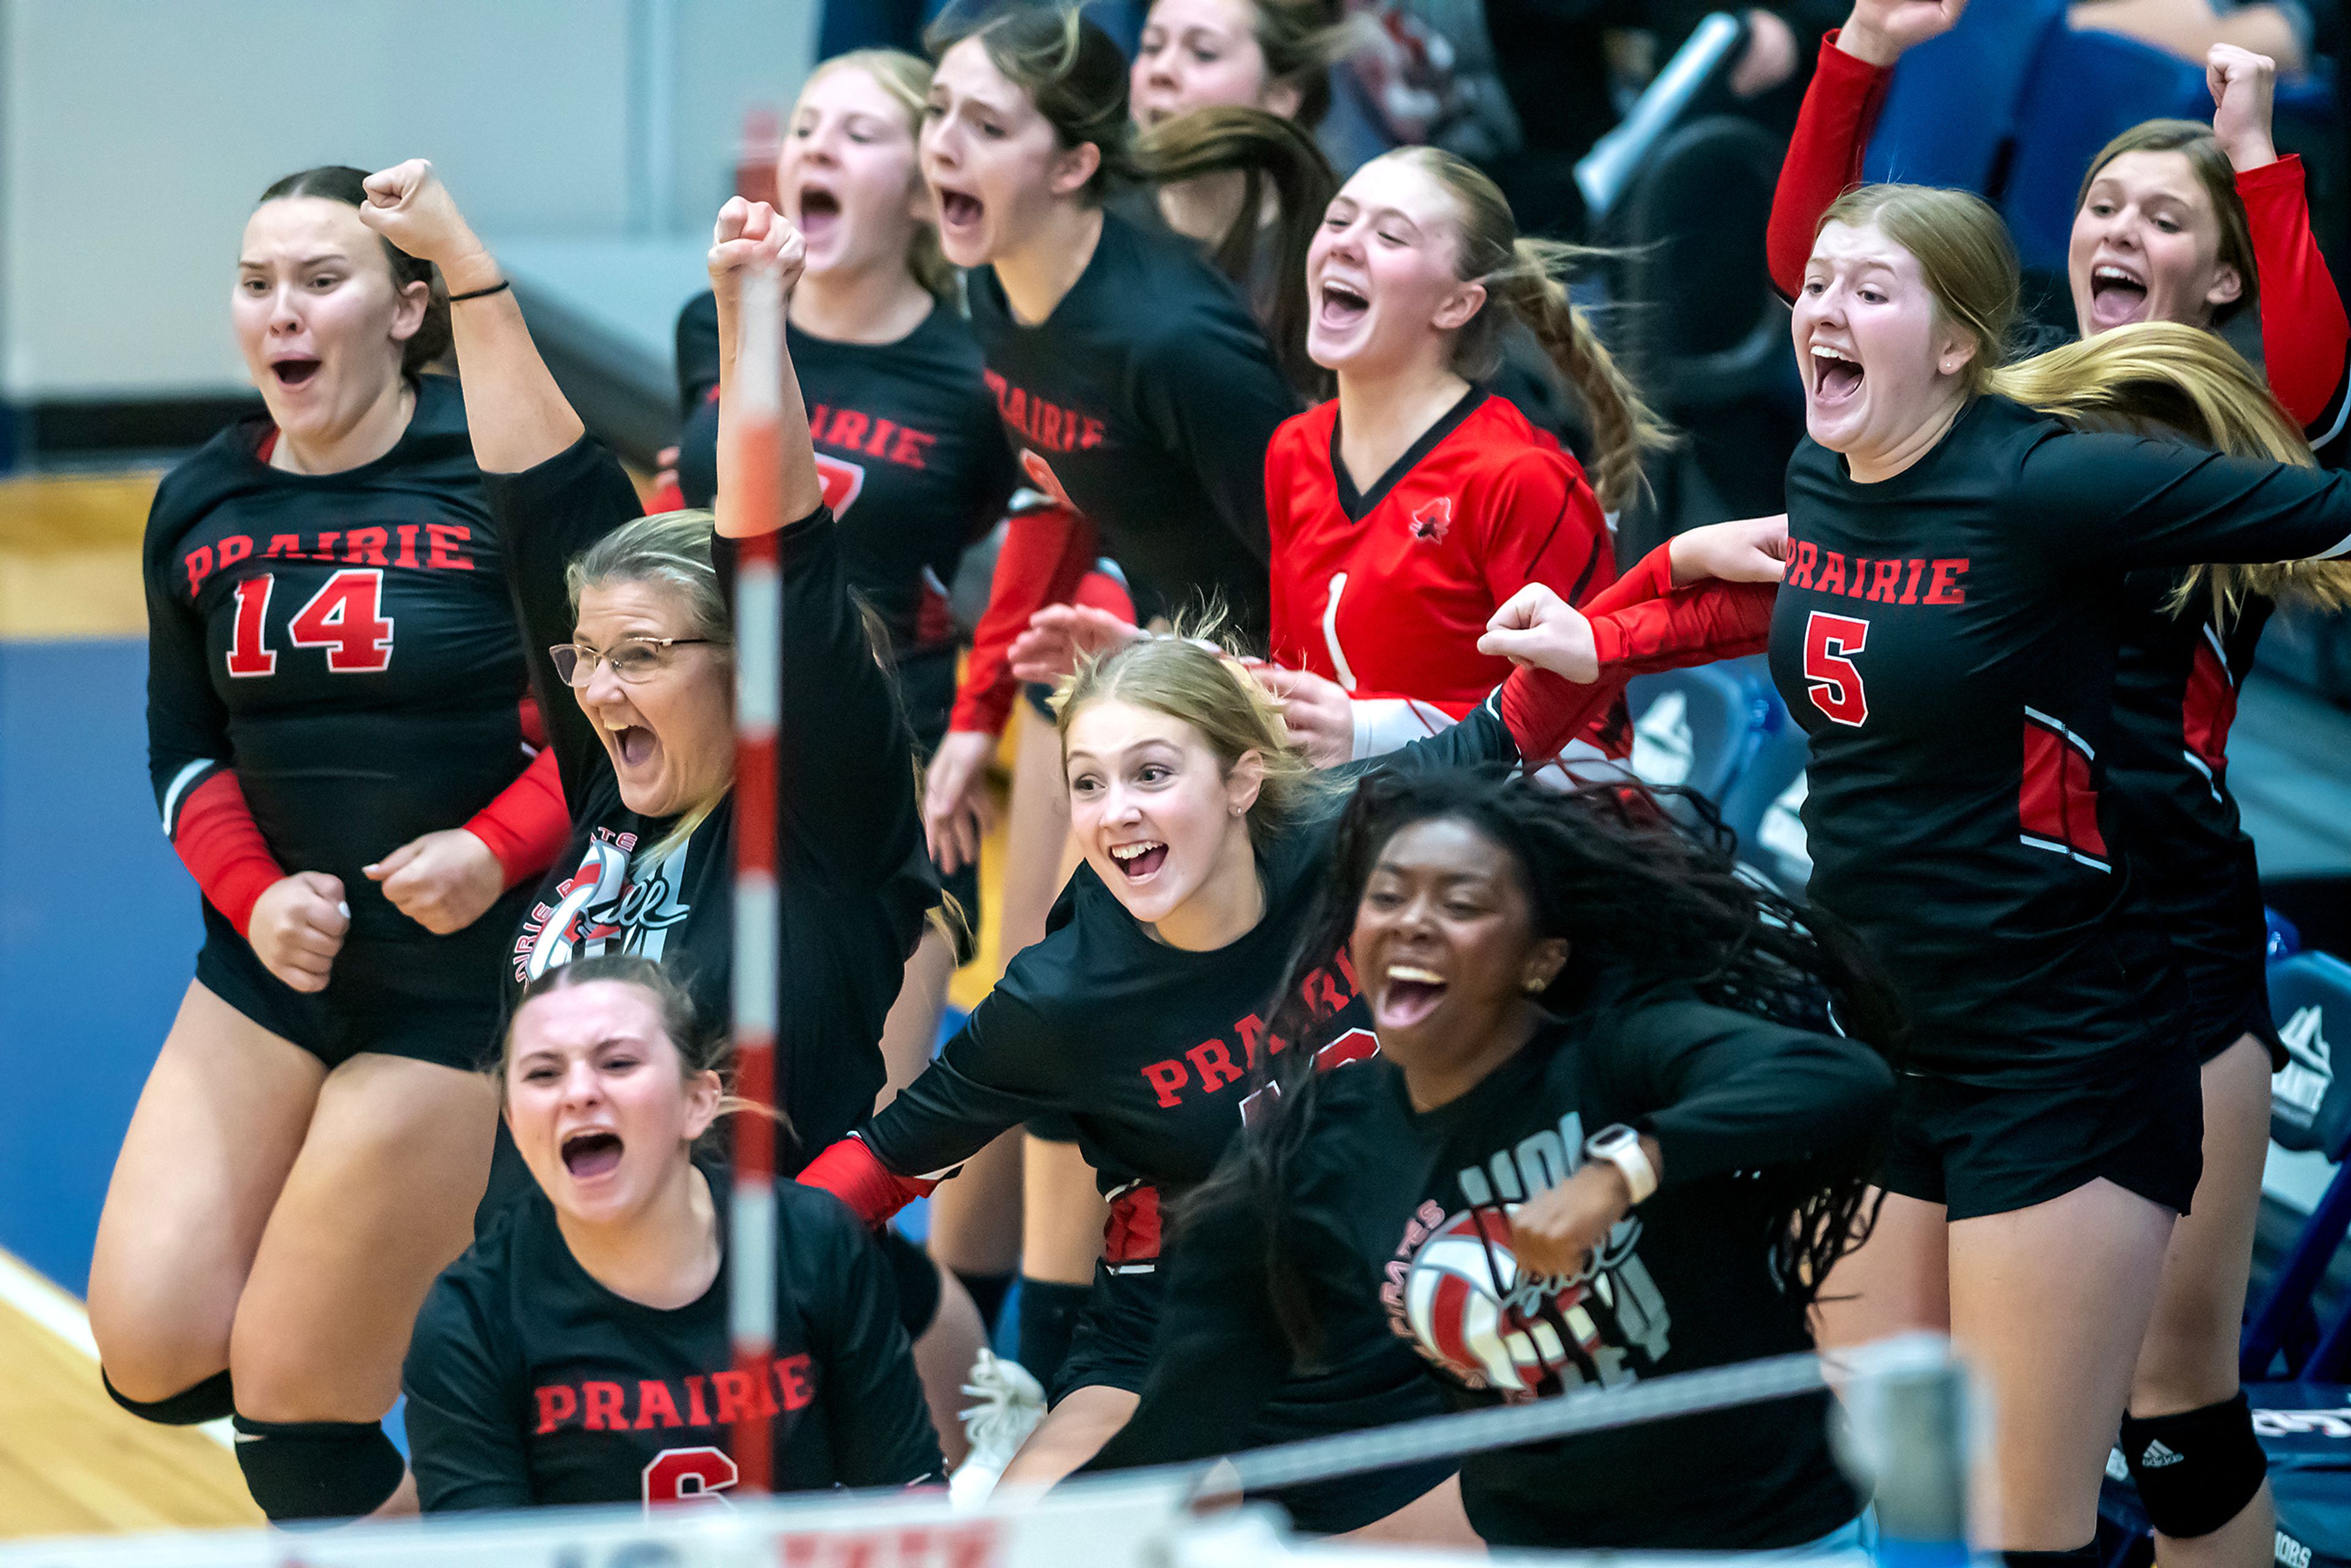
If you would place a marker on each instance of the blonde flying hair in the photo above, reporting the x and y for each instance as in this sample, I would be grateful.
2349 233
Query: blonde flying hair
670 550
1523 276
1189 677
2150 375
907 79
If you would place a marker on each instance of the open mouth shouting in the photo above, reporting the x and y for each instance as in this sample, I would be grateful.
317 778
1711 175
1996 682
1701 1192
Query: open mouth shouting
592 1152
1408 994
820 212
1340 306
633 745
294 370
2118 295
960 212
1836 376
1141 860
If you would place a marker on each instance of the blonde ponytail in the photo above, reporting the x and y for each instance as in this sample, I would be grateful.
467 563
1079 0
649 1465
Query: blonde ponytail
2187 380
1523 276
1623 426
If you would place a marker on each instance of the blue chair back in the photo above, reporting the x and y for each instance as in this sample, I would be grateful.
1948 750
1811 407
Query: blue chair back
1951 110
2083 90
1719 713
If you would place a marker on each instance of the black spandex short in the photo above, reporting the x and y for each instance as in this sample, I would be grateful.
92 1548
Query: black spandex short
1112 1348
1981 1151
356 1012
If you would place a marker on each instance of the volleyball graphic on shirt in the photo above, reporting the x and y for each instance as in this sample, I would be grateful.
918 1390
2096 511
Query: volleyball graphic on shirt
1490 1331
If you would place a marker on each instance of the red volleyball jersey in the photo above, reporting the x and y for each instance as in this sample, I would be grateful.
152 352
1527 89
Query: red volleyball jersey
1386 592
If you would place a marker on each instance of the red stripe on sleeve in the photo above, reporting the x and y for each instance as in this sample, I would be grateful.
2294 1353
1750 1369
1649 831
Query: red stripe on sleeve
2304 333
528 824
1045 553
224 850
1824 158
849 1171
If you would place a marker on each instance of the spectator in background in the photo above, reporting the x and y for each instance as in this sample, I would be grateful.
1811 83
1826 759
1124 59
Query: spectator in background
848 24
2189 28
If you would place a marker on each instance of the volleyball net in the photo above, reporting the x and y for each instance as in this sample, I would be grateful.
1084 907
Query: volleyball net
1906 1436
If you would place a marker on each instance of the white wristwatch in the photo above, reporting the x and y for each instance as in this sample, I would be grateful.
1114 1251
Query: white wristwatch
1621 1147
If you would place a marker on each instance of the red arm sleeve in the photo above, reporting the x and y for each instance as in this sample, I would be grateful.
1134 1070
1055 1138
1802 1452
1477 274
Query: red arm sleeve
1045 553
224 850
1651 577
873 1192
1694 625
1544 712
527 825
1824 158
2304 333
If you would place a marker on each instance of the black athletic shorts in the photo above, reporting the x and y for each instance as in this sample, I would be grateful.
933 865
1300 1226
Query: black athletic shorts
1112 1348
1981 1151
926 684
360 1009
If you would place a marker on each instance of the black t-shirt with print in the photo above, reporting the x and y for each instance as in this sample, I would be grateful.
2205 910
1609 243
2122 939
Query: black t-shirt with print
1406 1213
1947 638
1147 399
854 877
914 460
529 1384
344 643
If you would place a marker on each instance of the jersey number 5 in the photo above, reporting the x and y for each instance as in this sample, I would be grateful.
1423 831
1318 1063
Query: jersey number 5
345 617
1831 681
688 1475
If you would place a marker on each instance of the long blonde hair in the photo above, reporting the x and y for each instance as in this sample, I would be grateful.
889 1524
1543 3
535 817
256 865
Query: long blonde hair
1523 276
1189 677
907 79
2184 379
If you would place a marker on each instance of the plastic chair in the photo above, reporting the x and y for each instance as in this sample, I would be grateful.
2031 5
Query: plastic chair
2084 89
1717 716
1951 110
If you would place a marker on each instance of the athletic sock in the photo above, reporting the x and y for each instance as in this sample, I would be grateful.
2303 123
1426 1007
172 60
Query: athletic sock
988 1292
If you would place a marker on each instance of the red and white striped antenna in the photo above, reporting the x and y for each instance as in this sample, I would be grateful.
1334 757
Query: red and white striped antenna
758 429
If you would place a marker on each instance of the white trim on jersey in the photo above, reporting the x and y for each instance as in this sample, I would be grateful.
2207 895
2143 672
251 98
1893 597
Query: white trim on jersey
2059 727
2093 861
1346 671
180 784
2197 763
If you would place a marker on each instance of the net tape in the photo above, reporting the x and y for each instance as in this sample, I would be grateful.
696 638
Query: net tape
1138 1519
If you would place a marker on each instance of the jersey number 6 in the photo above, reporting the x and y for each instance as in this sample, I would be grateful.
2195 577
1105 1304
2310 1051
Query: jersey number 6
1831 682
688 1475
345 617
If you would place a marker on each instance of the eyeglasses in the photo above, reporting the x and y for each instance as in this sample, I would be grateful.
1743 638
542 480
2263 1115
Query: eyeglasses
632 659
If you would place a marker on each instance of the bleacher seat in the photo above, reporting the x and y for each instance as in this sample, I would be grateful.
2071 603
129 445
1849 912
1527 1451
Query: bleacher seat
1951 110
2294 1369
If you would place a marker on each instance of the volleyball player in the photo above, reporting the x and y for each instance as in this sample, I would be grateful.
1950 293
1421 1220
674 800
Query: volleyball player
1203 829
2182 222
580 1351
632 614
1136 386
323 591
916 464
1608 1135
1942 633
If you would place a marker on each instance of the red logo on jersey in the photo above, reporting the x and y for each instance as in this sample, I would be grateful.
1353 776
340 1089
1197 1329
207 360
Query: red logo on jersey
1432 520
1209 1068
842 481
1040 474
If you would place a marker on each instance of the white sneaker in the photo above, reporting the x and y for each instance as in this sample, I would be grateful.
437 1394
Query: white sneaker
1010 1403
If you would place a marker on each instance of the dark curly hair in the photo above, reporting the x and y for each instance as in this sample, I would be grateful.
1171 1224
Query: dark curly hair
1644 901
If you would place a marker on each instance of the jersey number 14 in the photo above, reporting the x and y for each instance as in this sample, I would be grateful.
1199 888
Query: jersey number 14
345 617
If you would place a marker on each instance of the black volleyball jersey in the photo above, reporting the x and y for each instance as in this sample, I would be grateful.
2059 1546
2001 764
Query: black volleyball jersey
914 461
344 642
1146 400
529 1384
854 877
1947 638
1407 1213
2175 696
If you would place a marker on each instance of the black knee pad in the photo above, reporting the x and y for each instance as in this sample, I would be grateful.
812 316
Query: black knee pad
2196 1470
212 1400
2079 1557
1048 1317
316 1470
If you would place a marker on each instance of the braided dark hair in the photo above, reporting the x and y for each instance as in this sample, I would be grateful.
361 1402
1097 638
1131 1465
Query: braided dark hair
1640 898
